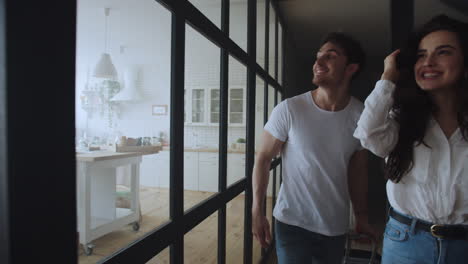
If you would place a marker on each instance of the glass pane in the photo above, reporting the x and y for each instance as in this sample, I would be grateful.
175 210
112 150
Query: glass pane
214 106
280 54
215 94
200 137
237 93
214 118
238 22
236 118
198 105
201 243
119 109
235 230
236 106
261 32
211 9
236 126
161 258
271 99
259 111
271 42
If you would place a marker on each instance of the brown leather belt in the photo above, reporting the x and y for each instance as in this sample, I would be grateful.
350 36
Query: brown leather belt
455 232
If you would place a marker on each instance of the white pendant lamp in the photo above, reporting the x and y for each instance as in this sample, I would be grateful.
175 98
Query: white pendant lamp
130 89
105 68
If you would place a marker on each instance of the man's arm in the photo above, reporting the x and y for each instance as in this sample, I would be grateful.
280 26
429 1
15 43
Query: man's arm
358 190
269 148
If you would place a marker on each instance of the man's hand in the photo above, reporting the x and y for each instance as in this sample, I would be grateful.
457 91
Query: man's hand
363 227
261 228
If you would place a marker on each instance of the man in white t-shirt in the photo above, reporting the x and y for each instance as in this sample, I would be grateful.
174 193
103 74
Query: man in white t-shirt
323 164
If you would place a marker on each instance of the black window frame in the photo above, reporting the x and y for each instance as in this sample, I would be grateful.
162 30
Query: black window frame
39 41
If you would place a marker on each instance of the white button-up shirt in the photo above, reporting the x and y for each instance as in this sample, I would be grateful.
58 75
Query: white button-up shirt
436 188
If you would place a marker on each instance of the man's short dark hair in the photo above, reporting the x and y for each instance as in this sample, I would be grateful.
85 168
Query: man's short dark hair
351 47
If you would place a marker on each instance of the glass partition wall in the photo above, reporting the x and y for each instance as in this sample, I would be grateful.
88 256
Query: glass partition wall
171 99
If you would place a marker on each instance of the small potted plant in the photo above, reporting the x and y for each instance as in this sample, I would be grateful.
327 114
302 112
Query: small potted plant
240 144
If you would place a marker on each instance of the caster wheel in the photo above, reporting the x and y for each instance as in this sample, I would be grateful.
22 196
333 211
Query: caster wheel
88 249
136 226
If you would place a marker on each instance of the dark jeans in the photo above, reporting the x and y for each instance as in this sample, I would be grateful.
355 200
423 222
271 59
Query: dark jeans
295 245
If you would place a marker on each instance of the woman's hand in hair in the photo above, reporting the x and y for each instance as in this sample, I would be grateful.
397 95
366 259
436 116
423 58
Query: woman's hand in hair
391 72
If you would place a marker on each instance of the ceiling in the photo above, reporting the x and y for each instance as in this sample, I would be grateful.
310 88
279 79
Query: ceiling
367 20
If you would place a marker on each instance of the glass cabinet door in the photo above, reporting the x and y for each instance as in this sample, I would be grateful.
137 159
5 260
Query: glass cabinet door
198 105
236 107
214 106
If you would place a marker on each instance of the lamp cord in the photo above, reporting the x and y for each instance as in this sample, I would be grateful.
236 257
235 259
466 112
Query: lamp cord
106 12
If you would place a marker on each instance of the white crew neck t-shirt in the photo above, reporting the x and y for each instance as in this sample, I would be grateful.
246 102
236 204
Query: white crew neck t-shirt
318 146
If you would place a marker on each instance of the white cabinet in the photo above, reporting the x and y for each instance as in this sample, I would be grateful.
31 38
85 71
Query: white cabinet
235 167
154 170
191 171
150 172
200 170
202 106
208 171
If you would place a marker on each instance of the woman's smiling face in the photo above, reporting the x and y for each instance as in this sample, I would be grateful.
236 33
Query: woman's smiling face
439 63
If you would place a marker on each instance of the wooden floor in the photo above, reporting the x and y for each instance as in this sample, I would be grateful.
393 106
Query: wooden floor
200 243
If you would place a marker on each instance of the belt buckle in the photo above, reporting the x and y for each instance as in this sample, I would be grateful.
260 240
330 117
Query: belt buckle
434 231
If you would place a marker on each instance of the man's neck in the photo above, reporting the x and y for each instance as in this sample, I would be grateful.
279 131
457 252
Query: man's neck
331 99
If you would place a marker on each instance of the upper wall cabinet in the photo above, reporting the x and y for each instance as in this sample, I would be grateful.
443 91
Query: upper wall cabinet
202 107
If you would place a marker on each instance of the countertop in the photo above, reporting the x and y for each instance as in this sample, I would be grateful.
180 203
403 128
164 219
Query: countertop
100 155
208 149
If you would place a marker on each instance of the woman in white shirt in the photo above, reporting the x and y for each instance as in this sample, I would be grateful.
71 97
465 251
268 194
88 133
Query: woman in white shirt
417 119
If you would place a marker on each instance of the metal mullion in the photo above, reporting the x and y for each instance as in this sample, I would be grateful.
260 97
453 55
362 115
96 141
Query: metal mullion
281 173
267 36
201 211
273 202
157 240
401 22
267 60
277 11
4 182
265 85
223 133
283 38
146 248
251 77
276 49
265 76
207 28
176 185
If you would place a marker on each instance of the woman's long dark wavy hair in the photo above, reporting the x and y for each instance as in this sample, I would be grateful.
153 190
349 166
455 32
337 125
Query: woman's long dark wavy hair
412 107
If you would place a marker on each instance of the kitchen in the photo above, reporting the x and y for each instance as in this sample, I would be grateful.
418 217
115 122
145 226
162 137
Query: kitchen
123 108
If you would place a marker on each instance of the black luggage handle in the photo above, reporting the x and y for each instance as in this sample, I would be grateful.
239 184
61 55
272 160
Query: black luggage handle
356 236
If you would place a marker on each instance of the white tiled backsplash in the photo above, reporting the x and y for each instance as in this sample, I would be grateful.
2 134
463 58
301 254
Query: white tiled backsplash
208 136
